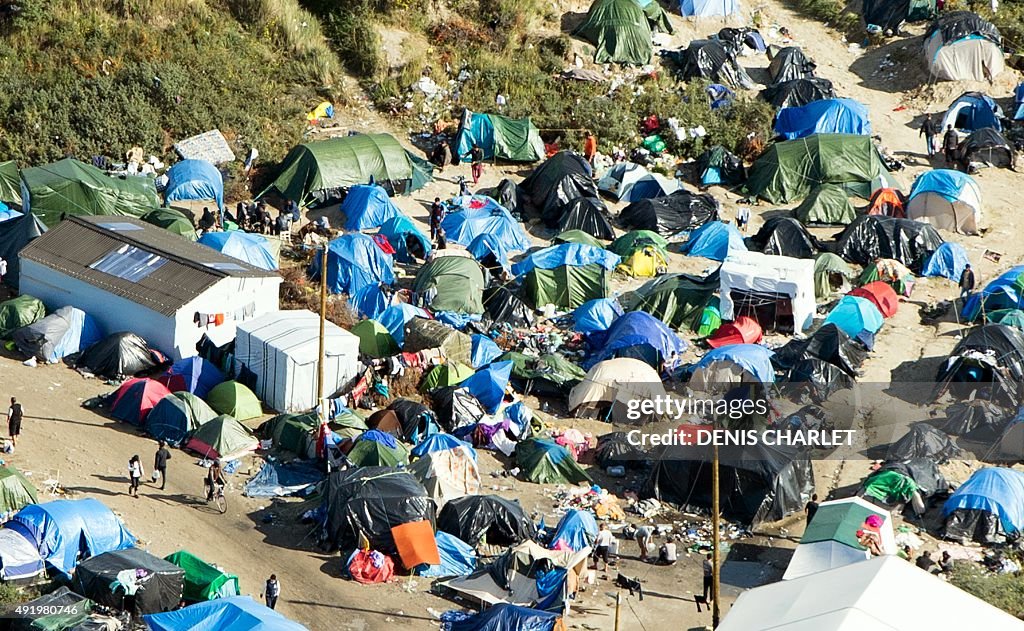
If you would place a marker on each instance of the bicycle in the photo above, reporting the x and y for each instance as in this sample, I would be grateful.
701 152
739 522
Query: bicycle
219 500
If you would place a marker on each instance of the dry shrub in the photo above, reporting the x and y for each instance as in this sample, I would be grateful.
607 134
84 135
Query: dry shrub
297 292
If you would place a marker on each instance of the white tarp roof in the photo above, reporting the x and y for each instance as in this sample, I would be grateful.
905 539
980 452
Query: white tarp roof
210 146
754 271
883 594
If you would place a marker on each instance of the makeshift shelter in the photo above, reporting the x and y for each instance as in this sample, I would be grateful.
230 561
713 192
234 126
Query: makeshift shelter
988 507
71 188
172 220
176 415
396 317
19 558
370 501
472 216
366 207
566 275
319 171
990 359
881 295
785 236
503 306
988 147
203 581
222 438
10 183
454 346
668 216
708 59
488 385
118 356
194 180
64 531
970 112
777 291
65 610
831 274
708 8
610 385
576 530
857 317
15 234
657 18
638 335
619 31
194 375
715 240
375 448
860 597
718 165
16 492
135 398
409 420
154 585
679 300
448 474
237 613
562 178
759 483
1006 291
19 312
499 137
788 171
354 261
890 15
234 399
281 352
924 440
451 283
636 241
961 46
790 63
798 92
733 364
830 344
615 449
489 519
826 204
743 330
872 237
545 462
457 558
64 332
586 214
630 182
547 375
596 315
828 116
406 238
831 538
506 616
946 199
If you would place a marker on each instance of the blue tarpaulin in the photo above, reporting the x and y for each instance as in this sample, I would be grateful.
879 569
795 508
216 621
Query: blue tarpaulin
472 216
714 240
367 206
857 317
277 479
353 262
370 301
440 442
567 254
828 116
994 490
238 613
8 213
62 529
596 315
506 617
254 249
191 180
577 529
753 358
395 317
1018 102
953 186
484 351
708 8
402 234
948 261
485 245
377 436
639 335
1004 292
457 557
488 385
193 374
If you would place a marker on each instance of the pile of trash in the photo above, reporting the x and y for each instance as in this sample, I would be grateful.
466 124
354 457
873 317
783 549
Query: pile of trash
596 499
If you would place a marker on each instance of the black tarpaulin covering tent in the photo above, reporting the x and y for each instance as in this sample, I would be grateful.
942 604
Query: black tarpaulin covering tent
709 59
816 378
923 440
69 611
785 236
670 215
798 92
15 234
989 146
965 417
562 178
416 419
486 518
132 580
829 344
923 471
756 483
588 214
988 363
371 501
456 407
501 304
615 449
957 25
890 14
117 356
507 194
872 237
789 64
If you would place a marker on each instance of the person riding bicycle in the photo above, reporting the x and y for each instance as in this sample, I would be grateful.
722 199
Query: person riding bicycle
214 480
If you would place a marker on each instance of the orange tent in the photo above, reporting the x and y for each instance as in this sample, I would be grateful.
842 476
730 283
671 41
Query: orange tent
881 295
888 202
743 330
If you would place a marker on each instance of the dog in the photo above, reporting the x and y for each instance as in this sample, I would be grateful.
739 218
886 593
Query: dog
632 584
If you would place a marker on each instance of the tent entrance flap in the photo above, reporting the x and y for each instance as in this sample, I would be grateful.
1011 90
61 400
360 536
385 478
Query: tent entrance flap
773 311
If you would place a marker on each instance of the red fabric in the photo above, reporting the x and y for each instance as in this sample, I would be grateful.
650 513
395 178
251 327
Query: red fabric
152 392
218 319
888 202
881 295
416 543
743 330
650 124
383 243
362 570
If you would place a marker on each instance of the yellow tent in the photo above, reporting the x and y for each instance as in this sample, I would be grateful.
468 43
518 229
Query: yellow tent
324 110
645 262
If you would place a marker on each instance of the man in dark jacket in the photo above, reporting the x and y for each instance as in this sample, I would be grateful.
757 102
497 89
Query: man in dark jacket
928 130
966 283
949 145
160 463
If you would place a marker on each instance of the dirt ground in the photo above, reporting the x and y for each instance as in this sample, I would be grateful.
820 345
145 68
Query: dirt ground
89 453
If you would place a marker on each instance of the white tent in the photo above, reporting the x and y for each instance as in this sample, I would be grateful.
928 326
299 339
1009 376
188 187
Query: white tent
830 540
615 382
883 594
756 273
447 474
282 349
629 182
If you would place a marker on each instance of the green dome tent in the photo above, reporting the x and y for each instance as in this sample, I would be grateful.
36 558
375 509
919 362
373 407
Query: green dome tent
827 204
826 266
319 170
177 414
619 31
16 492
18 312
545 462
297 433
678 300
172 221
70 187
203 581
10 183
222 438
447 374
234 399
629 243
457 283
374 339
577 236
371 453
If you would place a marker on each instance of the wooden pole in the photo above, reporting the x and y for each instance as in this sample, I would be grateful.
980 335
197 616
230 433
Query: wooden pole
715 611
323 329
618 604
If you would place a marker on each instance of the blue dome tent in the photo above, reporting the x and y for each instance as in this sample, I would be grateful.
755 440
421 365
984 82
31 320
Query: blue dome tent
254 249
367 206
576 529
639 335
708 8
989 503
370 301
353 261
828 116
191 180
714 240
946 199
972 111
735 359
407 240
595 316
193 374
486 247
474 215
1006 291
948 262
857 317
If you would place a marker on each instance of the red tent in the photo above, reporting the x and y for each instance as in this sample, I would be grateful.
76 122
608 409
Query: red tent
743 330
881 295
888 202
135 398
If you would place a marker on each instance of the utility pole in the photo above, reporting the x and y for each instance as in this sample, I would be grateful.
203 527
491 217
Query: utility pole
323 327
715 611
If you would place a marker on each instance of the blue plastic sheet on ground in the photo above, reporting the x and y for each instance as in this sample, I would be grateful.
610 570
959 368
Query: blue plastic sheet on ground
277 479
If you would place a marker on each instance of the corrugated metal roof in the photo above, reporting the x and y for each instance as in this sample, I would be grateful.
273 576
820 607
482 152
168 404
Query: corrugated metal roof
78 242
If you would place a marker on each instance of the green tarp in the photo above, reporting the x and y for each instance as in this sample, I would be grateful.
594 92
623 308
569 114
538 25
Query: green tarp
172 221
826 204
320 170
890 487
678 300
566 287
16 492
657 19
545 462
447 374
551 367
619 31
577 236
787 171
824 266
203 581
838 522
10 183
234 399
374 339
70 187
370 453
225 435
18 312
458 282
628 244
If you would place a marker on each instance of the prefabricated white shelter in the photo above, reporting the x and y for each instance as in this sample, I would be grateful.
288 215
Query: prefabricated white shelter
133 276
784 283
282 350
830 540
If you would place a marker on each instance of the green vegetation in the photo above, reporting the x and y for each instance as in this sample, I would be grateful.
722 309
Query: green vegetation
832 13
1005 591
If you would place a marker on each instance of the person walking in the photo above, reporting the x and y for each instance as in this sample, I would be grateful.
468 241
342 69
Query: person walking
135 473
811 507
966 283
436 217
602 545
590 148
709 571
929 130
476 156
949 144
14 415
160 463
272 591
742 218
